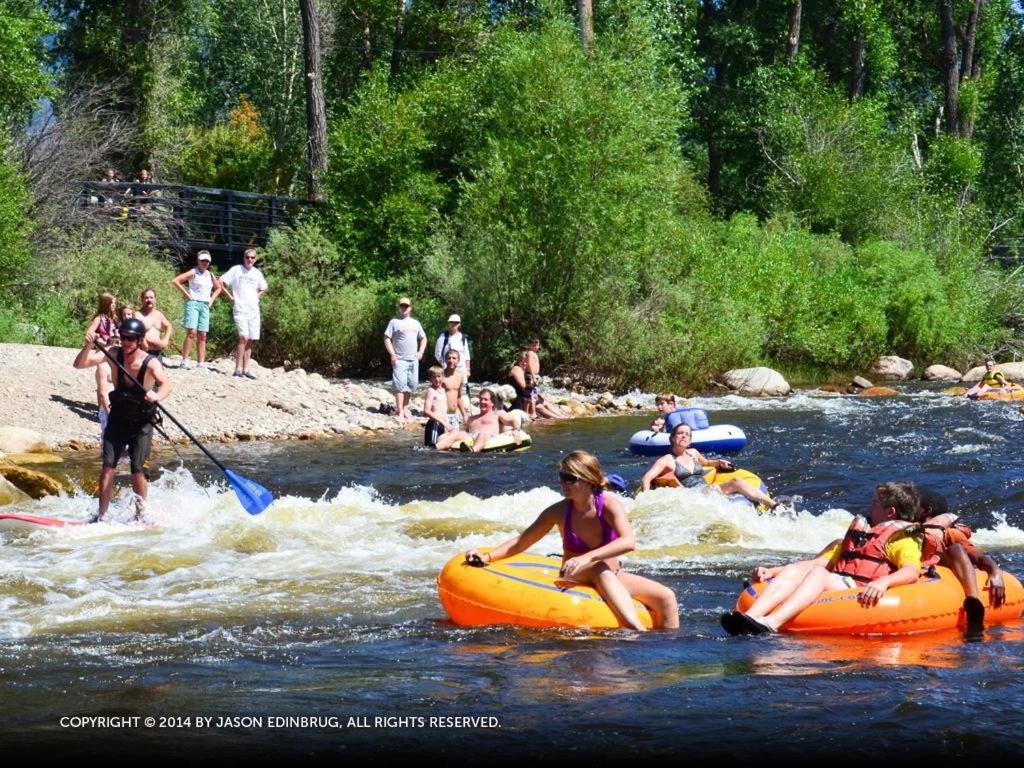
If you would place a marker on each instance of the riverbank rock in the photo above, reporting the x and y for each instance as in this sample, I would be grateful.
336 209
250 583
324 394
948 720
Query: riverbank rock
10 493
757 382
941 373
35 484
878 392
858 383
1012 371
21 440
891 368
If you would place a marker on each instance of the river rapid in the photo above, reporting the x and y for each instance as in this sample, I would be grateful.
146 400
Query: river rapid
315 629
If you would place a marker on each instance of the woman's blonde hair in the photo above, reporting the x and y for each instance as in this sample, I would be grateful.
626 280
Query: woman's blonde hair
106 305
587 468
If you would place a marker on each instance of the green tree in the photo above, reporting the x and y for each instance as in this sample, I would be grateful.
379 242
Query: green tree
23 79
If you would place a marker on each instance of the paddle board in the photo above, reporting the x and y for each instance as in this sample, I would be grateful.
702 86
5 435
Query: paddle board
14 522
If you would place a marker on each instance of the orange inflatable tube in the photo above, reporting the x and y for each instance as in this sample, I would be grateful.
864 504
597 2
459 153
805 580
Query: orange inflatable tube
931 603
521 590
1009 392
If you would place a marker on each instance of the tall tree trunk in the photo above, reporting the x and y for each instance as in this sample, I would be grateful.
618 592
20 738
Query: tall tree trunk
970 38
367 48
793 40
396 49
857 72
316 115
709 107
585 9
949 60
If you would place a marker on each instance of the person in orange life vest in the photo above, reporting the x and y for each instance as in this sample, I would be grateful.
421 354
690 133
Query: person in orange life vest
948 543
881 552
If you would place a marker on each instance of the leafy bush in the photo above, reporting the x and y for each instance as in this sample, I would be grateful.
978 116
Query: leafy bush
15 225
111 259
233 154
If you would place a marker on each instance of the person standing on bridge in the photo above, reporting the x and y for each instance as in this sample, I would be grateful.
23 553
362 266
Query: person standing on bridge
245 285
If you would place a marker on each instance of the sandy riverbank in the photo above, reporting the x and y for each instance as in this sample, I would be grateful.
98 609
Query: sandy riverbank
39 390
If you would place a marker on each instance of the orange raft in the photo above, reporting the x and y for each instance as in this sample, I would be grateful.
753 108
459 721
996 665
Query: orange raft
521 590
1009 392
931 603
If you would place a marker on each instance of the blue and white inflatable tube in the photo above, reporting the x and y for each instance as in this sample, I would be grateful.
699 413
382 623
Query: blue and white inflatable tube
716 438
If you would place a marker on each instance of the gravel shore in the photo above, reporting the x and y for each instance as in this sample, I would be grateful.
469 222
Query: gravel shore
39 390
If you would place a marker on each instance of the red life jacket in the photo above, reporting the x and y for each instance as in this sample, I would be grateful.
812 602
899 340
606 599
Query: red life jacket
862 554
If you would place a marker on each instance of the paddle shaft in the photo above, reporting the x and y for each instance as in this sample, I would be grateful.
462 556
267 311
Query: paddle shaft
163 410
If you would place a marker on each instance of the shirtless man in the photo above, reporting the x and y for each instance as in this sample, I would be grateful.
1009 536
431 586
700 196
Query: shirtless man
489 421
533 367
453 381
158 328
442 428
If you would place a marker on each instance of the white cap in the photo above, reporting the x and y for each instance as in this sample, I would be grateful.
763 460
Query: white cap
454 319
203 256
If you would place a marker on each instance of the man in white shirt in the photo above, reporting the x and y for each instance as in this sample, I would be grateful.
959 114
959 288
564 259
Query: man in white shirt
405 341
245 285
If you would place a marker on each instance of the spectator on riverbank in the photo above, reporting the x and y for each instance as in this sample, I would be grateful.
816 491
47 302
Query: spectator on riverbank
405 340
158 328
245 285
532 366
104 322
452 338
201 288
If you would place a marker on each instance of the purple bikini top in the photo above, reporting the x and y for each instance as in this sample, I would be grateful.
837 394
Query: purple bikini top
572 543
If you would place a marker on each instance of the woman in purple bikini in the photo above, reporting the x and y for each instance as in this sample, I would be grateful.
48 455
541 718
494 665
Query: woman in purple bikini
595 533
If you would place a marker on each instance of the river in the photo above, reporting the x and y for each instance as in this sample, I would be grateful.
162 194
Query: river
325 606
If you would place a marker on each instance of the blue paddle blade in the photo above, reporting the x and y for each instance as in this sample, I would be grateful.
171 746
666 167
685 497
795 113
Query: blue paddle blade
253 496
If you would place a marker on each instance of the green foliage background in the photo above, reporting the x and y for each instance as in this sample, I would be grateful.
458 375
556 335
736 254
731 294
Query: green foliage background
682 199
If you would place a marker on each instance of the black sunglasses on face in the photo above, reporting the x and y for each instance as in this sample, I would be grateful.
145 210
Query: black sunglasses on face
129 338
567 477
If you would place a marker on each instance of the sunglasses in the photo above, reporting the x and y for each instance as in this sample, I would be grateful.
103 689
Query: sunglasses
129 337
567 477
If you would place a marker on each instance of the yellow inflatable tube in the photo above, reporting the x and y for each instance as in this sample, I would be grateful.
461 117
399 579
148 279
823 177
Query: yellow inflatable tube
505 442
521 590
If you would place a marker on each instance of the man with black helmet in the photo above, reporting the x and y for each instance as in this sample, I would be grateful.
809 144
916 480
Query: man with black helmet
132 408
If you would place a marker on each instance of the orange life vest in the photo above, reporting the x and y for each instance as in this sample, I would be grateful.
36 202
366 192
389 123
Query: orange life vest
862 553
936 542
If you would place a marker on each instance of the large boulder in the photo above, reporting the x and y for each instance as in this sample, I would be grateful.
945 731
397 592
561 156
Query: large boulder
878 392
1012 371
757 382
10 493
35 484
941 373
20 440
891 368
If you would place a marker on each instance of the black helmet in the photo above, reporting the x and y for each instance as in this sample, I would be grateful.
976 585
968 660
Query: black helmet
132 327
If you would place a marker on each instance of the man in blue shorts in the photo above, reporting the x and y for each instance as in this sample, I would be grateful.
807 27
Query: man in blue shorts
201 288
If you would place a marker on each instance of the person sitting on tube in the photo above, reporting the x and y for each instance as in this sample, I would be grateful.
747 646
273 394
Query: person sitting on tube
880 552
595 534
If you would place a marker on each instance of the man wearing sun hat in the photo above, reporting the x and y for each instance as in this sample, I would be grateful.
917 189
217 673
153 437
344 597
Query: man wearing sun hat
405 341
